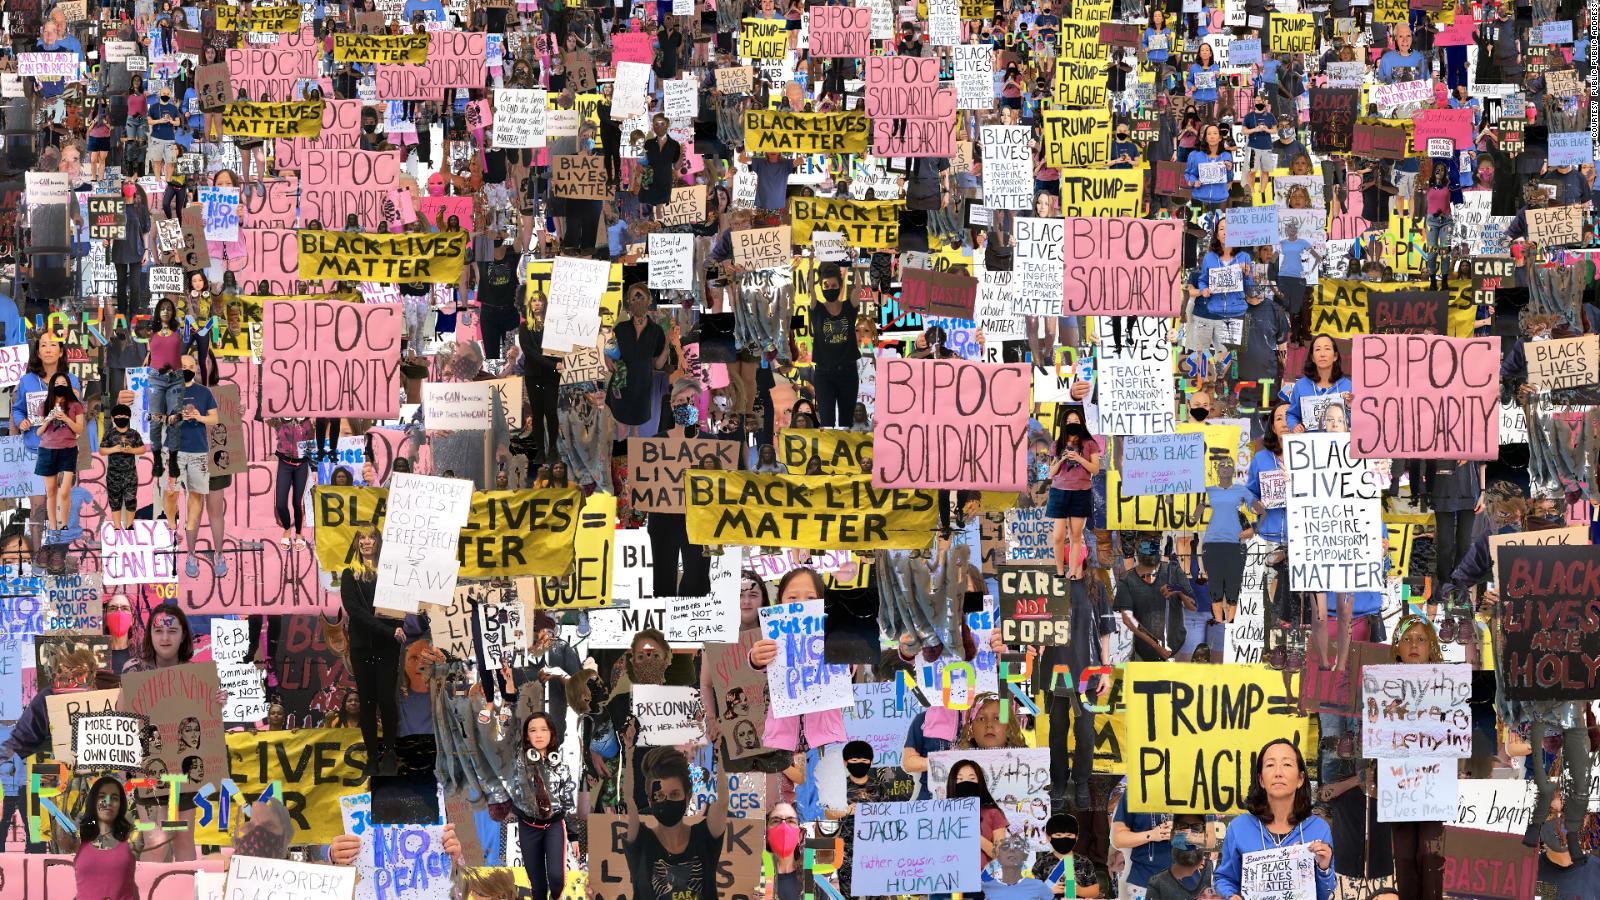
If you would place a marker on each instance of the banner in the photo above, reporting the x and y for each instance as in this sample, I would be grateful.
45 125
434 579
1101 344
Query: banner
840 452
946 423
508 533
777 131
867 225
1420 396
326 358
383 258
815 512
409 49
1124 267
302 119
1195 730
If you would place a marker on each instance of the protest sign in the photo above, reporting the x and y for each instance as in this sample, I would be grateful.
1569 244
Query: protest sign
881 715
840 31
760 248
106 742
1555 226
239 676
839 452
1494 866
1419 396
1252 226
975 82
408 49
798 681
1194 732
572 318
1564 363
1335 527
1159 464
764 38
946 423
63 707
456 59
867 225
166 279
1333 117
181 703
280 879
382 258
920 847
777 131
147 553
417 563
1034 608
1279 873
1417 790
467 406
657 467
404 861
221 206
301 119
671 261
107 217
1007 164
668 715
326 358
1375 140
519 118
1038 272
1124 266
1074 138
815 512
1134 379
1416 710
73 603
1546 591
1408 312
1454 125
938 293
1576 534
687 207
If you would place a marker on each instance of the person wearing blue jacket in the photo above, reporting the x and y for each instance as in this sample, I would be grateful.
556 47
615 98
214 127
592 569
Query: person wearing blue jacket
1323 376
1208 188
1267 466
1218 320
1279 805
1203 75
1158 38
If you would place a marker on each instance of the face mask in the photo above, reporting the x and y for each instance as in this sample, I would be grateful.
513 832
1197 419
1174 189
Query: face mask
1188 857
858 769
686 415
188 376
831 295
127 191
1199 413
670 812
962 789
1063 846
783 837
649 670
119 622
369 127
122 421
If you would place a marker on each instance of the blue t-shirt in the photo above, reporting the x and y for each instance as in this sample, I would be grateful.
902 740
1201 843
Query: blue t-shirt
1225 502
1290 264
432 10
1143 862
1260 140
192 434
163 131
1393 60
1026 889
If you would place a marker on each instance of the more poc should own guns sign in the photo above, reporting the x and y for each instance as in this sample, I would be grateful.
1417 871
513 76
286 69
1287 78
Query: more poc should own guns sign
945 423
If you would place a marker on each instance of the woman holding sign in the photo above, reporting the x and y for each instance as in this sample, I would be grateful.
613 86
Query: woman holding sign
1279 805
671 859
63 421
375 652
1418 846
1322 382
1072 492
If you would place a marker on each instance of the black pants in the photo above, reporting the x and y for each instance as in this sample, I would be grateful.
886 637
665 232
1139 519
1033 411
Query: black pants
327 434
1080 762
290 496
1452 535
494 323
377 671
131 289
670 549
1418 868
542 855
1224 569
837 391
543 386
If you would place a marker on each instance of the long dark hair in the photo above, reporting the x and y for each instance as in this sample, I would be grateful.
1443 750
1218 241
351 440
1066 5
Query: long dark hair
36 365
1309 370
172 309
556 733
63 381
147 649
1269 438
89 822
1256 800
985 799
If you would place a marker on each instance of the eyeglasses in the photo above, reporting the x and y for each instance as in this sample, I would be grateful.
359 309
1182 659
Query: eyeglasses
783 820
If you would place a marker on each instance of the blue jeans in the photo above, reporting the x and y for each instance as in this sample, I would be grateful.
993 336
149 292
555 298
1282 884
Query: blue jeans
163 397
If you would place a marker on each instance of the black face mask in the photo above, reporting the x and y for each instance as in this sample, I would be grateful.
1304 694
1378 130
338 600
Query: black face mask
369 127
963 789
1063 846
858 769
669 812
1188 857
1199 413
830 295
188 376
122 421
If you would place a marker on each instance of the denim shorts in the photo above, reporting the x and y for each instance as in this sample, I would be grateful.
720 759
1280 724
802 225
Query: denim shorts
54 461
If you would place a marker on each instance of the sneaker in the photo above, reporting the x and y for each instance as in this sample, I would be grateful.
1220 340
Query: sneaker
221 564
192 568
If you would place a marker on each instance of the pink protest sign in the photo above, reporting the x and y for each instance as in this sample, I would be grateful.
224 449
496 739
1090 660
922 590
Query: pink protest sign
1455 124
1123 267
907 87
1424 396
632 46
440 210
1456 34
914 137
328 358
840 31
269 72
455 59
42 876
272 205
336 183
270 263
341 129
951 423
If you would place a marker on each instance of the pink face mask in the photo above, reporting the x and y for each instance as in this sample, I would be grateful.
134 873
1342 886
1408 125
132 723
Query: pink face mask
783 837
435 186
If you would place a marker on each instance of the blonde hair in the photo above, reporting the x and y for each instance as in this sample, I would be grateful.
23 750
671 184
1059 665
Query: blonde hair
1435 654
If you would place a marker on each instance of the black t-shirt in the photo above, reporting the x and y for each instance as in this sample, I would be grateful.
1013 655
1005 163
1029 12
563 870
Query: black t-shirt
1579 882
690 875
497 283
833 338
1161 616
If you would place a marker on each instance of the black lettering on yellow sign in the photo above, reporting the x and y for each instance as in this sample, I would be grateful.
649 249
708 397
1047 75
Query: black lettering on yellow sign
870 225
300 119
773 131
382 258
407 49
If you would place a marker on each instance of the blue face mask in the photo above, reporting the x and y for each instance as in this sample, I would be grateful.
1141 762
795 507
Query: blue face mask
686 415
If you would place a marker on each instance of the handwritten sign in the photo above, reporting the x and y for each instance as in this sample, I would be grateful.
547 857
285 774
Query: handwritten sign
1163 464
1335 519
421 525
668 715
922 847
1412 710
798 681
1424 396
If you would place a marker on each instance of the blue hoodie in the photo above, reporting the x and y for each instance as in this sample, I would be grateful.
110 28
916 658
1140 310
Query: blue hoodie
1247 834
1220 305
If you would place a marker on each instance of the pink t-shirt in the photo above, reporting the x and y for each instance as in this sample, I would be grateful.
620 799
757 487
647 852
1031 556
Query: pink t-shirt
1074 477
58 435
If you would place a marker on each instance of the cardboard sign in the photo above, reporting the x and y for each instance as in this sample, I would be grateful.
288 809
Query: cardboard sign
580 177
761 248
1034 608
657 468
1564 363
1544 591
938 293
181 704
1481 864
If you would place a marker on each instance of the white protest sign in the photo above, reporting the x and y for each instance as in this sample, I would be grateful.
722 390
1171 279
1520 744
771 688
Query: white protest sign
880 718
1417 790
13 362
404 861
682 98
256 878
671 261
166 279
1039 267
1008 168
798 681
630 91
1335 518
975 80
421 527
669 715
1015 777
1135 380
245 684
457 406
107 741
1416 710
713 618
572 318
1282 873
519 118
221 206
144 554
921 847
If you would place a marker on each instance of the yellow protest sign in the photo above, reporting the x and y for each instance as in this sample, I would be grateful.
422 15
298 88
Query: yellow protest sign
314 767
1171 512
970 9
1340 306
588 585
1077 138
867 224
1295 33
822 512
275 19
1102 193
383 258
1393 11
839 452
508 533
1195 730
1079 41
300 119
764 38
772 131
409 49
1080 85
